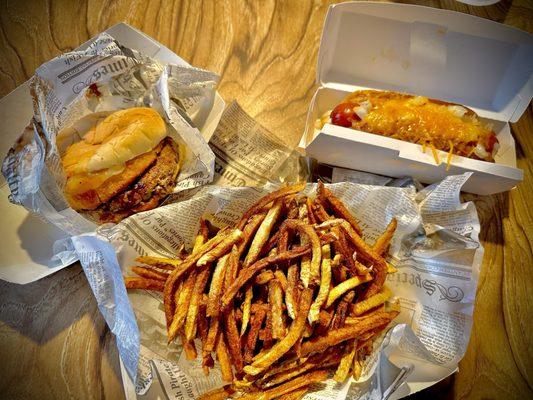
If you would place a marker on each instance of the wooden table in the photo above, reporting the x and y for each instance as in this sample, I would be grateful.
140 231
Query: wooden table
54 342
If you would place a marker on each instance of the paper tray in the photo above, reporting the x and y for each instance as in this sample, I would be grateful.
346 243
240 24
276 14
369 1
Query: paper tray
21 262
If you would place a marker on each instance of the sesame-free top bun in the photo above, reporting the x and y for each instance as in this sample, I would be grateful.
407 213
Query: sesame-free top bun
111 156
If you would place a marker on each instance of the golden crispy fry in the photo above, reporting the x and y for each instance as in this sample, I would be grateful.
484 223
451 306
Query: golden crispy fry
246 308
319 212
187 264
223 393
310 214
188 347
267 358
391 269
342 309
212 335
357 366
325 281
292 292
248 273
264 277
249 230
282 279
323 321
182 305
199 287
283 192
160 262
221 249
379 269
338 208
311 275
288 387
150 273
345 286
223 359
215 289
336 336
383 242
371 302
233 340
262 234
296 394
255 325
143 283
275 299
343 370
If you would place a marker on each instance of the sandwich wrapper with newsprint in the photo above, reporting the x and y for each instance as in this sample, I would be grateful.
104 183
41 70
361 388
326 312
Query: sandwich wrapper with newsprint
436 250
435 53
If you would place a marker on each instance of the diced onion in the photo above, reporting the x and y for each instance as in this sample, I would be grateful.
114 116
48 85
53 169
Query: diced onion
481 152
458 111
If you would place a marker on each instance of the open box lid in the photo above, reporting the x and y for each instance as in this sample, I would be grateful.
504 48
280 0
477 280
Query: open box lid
440 54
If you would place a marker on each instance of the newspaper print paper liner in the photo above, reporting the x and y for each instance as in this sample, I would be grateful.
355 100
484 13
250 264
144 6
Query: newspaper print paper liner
435 249
64 102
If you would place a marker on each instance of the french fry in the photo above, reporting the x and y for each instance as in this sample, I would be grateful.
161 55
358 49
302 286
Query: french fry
345 286
342 309
391 269
264 277
371 302
296 394
233 341
223 359
262 234
292 292
310 276
248 273
343 370
160 262
249 230
357 367
282 279
221 249
255 325
325 281
336 336
261 203
143 283
149 273
192 312
215 289
319 212
267 358
288 387
383 242
188 347
339 209
184 299
246 308
223 393
275 299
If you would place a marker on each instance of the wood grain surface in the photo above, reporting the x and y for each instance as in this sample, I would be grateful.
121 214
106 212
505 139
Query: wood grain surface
54 343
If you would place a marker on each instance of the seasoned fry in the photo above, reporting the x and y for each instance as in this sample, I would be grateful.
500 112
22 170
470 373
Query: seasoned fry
212 335
233 339
383 242
150 273
199 287
280 276
325 281
307 277
188 347
264 277
215 289
220 249
343 370
283 192
296 394
255 325
275 299
288 387
357 367
223 393
248 273
249 230
262 234
184 299
345 286
391 269
292 292
143 283
224 360
339 209
267 358
371 302
246 308
342 309
160 262
336 336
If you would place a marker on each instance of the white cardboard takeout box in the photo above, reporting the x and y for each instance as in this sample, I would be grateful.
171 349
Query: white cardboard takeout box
440 54
26 251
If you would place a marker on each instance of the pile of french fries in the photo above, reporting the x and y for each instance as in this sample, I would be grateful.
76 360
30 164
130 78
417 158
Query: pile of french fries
284 299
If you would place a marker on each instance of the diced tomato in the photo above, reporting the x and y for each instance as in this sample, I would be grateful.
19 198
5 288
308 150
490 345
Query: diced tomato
343 115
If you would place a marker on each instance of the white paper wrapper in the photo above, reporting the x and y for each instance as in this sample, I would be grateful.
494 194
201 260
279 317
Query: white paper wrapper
435 249
66 105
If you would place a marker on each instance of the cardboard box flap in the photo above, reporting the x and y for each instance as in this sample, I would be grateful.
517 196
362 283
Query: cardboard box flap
436 53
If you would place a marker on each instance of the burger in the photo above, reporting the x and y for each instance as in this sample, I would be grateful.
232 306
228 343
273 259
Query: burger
125 164
431 123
